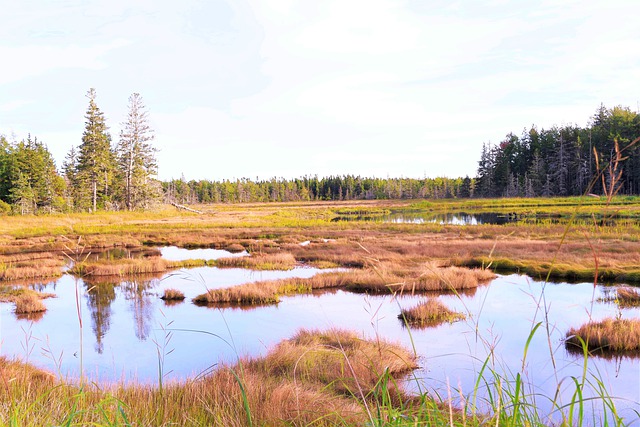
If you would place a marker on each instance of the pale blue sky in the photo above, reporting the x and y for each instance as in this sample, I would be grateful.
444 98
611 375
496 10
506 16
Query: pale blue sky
288 88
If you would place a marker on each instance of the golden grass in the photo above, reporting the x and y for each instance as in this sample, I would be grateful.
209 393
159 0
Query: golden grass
607 336
315 378
15 292
121 267
172 295
527 248
29 303
431 312
431 278
266 261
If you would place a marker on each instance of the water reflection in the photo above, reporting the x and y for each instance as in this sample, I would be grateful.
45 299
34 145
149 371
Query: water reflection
137 292
490 218
174 253
128 319
99 298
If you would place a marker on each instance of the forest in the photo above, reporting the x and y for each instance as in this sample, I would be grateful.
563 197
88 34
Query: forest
100 175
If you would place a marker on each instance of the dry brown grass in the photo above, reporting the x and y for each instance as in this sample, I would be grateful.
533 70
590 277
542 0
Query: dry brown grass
429 276
432 279
30 265
12 293
121 267
29 303
172 295
315 378
264 261
628 297
431 312
250 293
607 336
338 360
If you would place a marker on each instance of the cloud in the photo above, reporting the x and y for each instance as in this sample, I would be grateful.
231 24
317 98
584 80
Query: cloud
34 60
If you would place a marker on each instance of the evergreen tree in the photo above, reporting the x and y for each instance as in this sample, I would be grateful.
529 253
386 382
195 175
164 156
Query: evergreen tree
96 162
136 157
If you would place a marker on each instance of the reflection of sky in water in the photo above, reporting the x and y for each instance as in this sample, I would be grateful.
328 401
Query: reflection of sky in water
125 325
173 253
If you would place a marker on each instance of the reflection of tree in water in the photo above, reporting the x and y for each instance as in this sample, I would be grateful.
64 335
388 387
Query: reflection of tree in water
99 298
137 291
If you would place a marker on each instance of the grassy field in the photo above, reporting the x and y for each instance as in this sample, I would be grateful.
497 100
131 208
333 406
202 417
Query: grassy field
354 381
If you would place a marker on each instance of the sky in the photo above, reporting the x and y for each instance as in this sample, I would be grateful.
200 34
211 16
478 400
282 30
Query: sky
288 88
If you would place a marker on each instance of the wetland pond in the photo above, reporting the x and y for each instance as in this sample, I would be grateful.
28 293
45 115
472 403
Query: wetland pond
480 218
125 326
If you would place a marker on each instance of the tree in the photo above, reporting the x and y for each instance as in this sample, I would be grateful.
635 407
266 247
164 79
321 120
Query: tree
95 162
136 157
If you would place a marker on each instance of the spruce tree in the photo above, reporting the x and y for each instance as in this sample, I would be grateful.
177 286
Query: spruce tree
136 157
96 163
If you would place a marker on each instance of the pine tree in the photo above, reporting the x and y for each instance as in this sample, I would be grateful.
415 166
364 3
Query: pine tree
136 157
96 163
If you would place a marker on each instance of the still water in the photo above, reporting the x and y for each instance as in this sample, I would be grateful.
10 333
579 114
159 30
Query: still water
126 325
489 218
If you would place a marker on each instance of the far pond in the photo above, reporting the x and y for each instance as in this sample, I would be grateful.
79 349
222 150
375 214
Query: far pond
126 324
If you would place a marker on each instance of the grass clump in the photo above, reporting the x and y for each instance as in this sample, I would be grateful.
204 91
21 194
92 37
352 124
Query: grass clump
247 294
268 261
172 295
431 312
606 337
122 267
29 303
627 297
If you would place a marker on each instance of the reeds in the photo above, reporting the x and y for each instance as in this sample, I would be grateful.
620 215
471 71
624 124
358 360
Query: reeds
607 336
431 312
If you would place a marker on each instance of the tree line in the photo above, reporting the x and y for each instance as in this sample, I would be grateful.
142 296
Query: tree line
566 160
101 175
95 175
346 187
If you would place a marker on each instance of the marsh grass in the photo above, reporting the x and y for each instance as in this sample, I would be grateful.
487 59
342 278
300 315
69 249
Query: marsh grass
315 378
299 392
29 303
626 297
30 265
260 261
431 312
172 295
122 267
432 278
606 336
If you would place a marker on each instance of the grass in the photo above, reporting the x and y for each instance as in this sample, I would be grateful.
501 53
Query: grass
627 297
429 277
322 378
29 303
431 312
172 295
266 261
289 385
606 337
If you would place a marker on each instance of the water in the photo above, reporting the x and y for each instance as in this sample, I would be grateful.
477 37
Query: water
490 218
174 253
126 325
